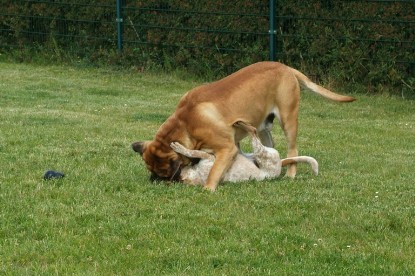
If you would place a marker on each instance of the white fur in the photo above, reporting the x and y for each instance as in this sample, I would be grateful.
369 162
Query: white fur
242 169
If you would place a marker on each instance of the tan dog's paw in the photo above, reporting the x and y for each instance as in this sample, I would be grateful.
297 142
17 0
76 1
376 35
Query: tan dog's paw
209 188
291 172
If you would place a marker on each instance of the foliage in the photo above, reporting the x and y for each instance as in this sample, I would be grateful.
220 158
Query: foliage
371 43
363 45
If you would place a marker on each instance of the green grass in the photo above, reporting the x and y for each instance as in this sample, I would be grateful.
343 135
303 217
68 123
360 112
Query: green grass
357 217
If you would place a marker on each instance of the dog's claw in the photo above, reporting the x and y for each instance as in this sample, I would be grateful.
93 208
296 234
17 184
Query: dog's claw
175 146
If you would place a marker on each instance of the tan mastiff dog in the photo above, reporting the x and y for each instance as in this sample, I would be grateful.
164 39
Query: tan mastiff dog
205 115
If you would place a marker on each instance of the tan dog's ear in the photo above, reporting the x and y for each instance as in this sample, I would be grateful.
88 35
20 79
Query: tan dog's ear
176 167
139 147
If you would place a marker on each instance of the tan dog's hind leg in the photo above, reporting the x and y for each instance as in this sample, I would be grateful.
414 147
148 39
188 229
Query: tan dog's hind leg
289 124
223 160
292 151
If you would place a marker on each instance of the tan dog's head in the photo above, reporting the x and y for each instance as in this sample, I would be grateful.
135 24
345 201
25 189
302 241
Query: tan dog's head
160 160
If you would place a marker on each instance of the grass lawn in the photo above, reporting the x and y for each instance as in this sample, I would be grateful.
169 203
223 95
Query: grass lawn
357 217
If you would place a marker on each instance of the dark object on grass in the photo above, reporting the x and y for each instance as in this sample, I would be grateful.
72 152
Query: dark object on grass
53 175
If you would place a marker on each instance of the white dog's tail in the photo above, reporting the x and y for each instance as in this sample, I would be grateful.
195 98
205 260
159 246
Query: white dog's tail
301 159
305 81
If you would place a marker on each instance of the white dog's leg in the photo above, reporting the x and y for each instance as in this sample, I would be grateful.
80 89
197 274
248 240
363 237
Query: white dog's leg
179 148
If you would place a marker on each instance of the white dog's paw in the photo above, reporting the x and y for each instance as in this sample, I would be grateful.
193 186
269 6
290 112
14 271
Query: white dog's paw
176 146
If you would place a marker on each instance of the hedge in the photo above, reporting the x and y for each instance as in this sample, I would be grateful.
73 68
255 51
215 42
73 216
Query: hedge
366 44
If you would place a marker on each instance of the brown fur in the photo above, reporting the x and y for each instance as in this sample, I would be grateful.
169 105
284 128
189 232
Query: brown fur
205 115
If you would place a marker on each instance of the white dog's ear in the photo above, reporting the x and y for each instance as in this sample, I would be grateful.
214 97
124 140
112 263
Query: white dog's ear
139 147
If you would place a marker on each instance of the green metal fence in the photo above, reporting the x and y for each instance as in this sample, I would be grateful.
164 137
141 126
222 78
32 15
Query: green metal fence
101 25
377 34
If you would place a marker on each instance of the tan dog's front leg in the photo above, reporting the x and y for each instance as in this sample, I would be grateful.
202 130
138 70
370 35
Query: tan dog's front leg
223 160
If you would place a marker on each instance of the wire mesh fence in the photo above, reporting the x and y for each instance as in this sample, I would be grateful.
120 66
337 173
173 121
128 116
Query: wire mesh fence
198 32
57 26
367 40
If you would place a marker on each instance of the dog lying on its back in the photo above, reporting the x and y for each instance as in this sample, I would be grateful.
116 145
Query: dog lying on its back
263 163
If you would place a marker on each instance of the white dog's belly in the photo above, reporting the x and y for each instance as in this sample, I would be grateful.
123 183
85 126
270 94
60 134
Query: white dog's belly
242 169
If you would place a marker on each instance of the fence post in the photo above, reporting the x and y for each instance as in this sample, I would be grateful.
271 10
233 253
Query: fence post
119 21
272 31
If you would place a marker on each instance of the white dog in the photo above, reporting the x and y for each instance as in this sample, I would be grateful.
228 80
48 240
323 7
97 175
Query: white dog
263 163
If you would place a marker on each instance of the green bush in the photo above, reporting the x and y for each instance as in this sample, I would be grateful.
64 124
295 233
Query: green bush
361 44
357 42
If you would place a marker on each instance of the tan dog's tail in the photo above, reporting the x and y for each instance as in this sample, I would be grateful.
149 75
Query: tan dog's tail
305 81
301 159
